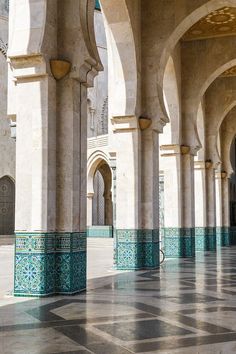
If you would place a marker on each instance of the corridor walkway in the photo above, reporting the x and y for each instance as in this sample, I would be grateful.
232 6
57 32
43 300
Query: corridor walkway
188 306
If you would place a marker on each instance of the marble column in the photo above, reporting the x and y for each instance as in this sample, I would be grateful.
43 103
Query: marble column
201 242
179 198
71 186
150 196
188 204
108 207
113 168
222 209
35 179
210 232
136 245
90 209
219 221
226 209
50 104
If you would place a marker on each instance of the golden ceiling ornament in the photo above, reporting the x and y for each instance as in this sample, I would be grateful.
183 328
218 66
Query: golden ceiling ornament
219 23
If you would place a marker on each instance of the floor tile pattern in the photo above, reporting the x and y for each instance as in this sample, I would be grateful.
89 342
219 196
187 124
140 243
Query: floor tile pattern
187 306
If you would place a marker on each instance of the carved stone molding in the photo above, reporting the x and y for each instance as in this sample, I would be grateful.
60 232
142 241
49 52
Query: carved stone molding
3 48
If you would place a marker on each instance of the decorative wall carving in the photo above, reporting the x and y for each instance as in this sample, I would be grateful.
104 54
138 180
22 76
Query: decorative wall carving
3 48
103 121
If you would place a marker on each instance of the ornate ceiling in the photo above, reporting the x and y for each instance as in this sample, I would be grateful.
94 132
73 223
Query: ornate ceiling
218 23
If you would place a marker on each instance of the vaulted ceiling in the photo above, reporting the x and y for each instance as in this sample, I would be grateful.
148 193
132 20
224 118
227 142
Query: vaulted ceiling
218 23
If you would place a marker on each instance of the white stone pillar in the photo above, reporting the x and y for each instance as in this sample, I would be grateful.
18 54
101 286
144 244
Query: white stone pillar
210 233
35 155
134 243
226 200
51 111
90 209
128 169
35 177
226 209
108 207
71 185
218 189
222 209
200 205
150 197
179 197
171 166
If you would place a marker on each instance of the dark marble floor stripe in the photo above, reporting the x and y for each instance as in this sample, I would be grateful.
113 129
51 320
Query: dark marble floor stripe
183 343
98 345
188 321
83 321
208 310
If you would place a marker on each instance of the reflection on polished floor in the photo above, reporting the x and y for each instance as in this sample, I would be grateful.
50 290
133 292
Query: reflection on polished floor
187 306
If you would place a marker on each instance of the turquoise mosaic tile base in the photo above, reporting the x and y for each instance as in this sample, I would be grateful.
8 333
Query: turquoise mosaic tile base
205 238
211 235
137 249
224 236
50 263
233 235
179 242
100 231
201 242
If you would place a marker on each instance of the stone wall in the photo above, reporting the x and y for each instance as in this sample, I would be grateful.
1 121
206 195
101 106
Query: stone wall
98 95
7 144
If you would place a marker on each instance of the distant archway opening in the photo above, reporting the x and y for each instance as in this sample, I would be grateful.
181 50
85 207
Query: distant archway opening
100 210
7 206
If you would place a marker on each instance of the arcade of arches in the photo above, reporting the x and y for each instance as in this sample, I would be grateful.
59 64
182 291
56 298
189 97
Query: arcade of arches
118 120
162 106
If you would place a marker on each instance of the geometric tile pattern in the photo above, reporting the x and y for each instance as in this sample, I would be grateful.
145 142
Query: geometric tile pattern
205 238
100 231
179 242
136 249
50 263
232 235
223 236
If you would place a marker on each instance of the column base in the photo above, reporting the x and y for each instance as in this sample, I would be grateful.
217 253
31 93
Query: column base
233 235
179 242
205 238
137 249
50 263
100 231
223 236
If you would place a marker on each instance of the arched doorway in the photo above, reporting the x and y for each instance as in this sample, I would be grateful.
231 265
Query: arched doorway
102 200
7 206
98 212
100 208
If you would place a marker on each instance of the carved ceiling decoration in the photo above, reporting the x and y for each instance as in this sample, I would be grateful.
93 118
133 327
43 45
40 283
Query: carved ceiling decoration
229 72
219 23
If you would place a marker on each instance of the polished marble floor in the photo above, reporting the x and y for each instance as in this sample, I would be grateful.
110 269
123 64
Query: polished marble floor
187 306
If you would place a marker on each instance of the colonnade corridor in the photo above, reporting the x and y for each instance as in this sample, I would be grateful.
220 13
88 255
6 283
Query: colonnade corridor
117 176
186 306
